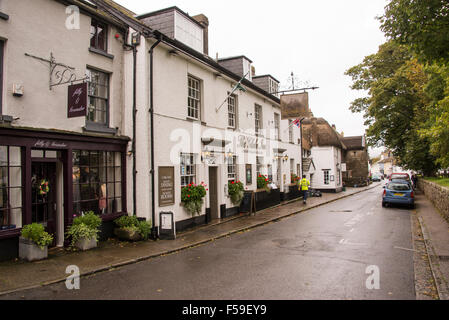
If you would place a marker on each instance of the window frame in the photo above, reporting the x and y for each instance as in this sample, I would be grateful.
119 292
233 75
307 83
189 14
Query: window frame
277 126
232 164
234 97
96 23
105 168
89 70
326 176
192 176
193 98
258 126
8 186
290 131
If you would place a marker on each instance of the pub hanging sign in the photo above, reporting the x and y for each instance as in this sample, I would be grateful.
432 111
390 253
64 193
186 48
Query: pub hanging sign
77 101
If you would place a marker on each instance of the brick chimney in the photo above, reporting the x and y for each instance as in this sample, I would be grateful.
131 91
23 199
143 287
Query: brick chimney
204 21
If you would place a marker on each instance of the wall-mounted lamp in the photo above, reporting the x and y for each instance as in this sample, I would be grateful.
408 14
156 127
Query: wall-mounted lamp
285 158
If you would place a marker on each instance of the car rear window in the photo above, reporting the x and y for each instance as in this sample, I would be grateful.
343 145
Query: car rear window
398 187
400 176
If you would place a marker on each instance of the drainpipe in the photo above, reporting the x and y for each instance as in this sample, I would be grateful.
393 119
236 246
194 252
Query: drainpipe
153 207
300 133
134 130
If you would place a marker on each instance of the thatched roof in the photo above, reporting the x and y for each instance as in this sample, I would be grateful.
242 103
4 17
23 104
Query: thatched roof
318 133
354 143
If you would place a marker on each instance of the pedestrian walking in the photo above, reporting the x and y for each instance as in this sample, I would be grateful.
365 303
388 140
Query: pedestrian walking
415 180
304 188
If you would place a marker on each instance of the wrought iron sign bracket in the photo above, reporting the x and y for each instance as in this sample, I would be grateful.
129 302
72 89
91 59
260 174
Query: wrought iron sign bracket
59 73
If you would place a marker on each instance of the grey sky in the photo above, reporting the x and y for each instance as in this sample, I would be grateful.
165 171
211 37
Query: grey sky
316 39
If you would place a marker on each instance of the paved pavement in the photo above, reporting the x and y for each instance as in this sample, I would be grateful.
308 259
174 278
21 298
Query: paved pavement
327 252
19 275
435 230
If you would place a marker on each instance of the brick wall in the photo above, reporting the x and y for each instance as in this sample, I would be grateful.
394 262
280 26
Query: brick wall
437 194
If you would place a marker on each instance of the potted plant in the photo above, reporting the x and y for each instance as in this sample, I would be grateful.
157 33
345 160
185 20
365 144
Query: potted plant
131 229
84 231
34 242
235 191
192 197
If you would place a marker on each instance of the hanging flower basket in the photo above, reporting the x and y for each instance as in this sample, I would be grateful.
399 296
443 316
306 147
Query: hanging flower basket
192 197
235 191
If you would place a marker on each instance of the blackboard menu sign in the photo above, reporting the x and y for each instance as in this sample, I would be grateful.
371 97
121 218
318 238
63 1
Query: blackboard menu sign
166 186
248 203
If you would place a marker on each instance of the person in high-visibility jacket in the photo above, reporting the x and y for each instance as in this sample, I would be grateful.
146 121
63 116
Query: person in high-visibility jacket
304 188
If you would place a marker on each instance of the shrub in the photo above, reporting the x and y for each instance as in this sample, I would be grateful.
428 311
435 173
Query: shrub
85 226
90 219
294 178
235 191
80 231
131 223
36 233
126 221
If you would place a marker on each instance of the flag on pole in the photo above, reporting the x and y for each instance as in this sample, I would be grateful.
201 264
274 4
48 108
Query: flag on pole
237 86
297 122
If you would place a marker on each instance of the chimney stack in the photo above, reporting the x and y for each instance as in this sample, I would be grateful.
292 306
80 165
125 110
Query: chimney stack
204 21
334 127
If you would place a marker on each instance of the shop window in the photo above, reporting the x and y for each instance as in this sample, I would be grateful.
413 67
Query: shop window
232 168
98 97
98 35
11 187
194 98
188 170
97 182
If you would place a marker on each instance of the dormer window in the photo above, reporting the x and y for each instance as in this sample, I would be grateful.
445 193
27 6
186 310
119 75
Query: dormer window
98 35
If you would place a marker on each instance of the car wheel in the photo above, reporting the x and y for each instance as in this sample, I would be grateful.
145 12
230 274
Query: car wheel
383 204
412 206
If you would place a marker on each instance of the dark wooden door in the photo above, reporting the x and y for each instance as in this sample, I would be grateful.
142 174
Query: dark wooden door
213 192
43 191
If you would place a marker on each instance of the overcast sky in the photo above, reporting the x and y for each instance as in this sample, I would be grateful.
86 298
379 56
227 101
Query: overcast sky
317 40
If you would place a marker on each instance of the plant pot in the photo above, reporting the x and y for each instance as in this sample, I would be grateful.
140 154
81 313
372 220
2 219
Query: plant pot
86 244
29 251
127 235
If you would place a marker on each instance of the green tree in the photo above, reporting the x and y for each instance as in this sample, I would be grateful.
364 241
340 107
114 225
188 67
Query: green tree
396 105
421 24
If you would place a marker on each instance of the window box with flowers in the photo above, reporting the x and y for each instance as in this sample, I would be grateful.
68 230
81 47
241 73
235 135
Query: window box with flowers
192 197
262 183
235 191
266 197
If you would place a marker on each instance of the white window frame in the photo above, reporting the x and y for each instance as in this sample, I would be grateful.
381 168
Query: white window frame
232 111
277 126
232 168
290 131
187 161
258 118
193 98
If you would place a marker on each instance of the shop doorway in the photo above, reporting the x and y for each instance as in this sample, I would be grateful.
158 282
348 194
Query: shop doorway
213 192
43 193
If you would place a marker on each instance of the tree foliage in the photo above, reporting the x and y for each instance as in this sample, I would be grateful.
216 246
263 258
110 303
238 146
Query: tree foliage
396 106
421 24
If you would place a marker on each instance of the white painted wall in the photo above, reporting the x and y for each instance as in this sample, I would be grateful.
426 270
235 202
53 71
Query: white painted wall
175 133
29 30
326 158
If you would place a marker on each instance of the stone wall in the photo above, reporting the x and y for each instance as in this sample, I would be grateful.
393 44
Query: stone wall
437 194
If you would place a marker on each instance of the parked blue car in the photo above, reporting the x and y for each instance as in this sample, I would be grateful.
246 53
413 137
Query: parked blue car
398 192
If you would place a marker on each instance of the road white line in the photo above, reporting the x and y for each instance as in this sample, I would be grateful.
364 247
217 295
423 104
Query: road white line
351 230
